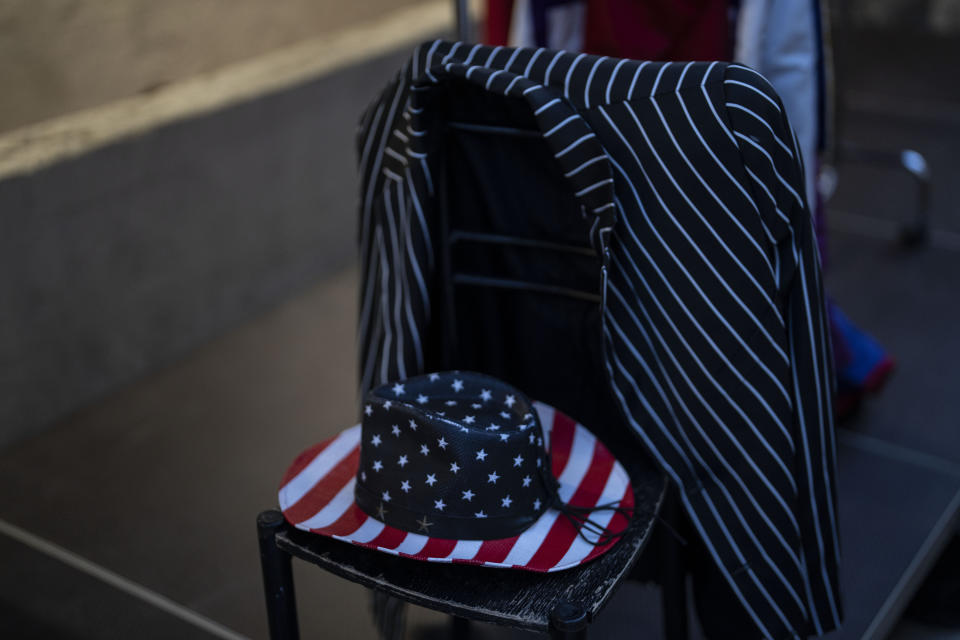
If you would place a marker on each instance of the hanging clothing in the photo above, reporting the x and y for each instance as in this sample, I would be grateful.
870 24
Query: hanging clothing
780 40
714 333
650 30
497 23
658 29
555 24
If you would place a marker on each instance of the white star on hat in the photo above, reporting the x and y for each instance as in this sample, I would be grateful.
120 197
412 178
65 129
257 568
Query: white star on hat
402 461
424 449
431 479
506 502
457 385
518 461
468 495
422 399
442 443
454 467
405 486
439 505
398 389
396 430
480 514
510 401
375 440
377 465
368 410
469 420
526 481
386 496
492 477
434 377
387 404
413 425
485 395
481 455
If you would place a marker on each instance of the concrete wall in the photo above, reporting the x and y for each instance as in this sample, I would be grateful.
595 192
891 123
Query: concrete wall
120 261
57 56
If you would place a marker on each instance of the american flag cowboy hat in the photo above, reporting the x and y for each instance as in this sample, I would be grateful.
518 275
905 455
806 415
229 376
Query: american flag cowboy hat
461 467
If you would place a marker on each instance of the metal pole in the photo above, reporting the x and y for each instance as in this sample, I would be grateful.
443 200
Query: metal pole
462 11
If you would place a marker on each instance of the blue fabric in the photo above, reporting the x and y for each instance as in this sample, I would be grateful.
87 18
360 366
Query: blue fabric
861 353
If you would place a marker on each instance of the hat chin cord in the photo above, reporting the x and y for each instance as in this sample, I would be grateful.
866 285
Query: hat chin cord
591 531
579 517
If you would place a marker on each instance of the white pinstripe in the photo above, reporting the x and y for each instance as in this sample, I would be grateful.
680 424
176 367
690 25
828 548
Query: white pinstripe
692 281
586 88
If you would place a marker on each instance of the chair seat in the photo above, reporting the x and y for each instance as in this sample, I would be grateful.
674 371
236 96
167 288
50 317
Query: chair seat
524 600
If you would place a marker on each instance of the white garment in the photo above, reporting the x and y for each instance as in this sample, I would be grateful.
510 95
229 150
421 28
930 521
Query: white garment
778 39
565 26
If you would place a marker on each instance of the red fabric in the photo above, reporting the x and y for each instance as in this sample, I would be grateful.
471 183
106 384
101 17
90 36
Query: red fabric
348 523
303 460
562 535
323 492
658 29
498 21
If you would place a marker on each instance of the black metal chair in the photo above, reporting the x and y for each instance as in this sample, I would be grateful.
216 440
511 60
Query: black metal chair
517 297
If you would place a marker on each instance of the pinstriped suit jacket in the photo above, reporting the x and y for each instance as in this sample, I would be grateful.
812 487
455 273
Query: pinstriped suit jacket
715 336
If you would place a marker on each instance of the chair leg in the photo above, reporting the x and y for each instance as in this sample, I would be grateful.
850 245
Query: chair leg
674 597
673 575
568 622
277 579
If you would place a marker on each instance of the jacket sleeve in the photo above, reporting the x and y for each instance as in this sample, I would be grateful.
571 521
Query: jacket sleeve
394 239
773 161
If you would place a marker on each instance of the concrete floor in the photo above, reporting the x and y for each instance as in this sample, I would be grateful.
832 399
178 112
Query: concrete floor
161 482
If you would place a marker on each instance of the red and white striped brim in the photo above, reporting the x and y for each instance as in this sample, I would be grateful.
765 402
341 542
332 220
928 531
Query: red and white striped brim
317 495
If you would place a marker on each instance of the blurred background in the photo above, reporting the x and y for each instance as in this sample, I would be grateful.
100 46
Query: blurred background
177 304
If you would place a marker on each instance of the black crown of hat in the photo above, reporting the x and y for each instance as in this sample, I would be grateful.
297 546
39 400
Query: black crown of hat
457 455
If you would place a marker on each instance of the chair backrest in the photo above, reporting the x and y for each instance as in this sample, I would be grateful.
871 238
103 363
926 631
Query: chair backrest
520 283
